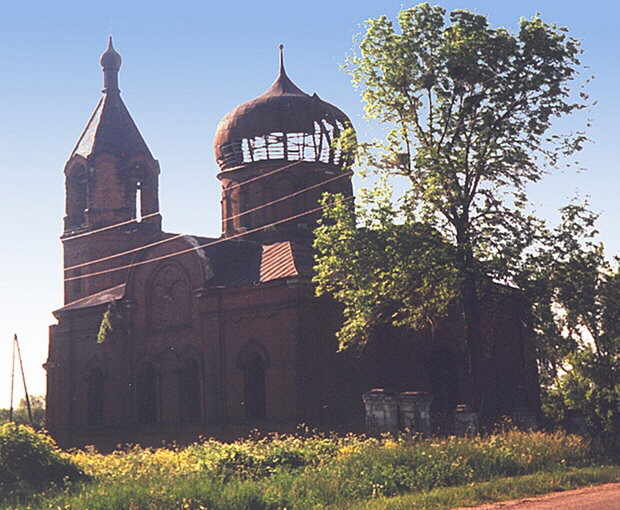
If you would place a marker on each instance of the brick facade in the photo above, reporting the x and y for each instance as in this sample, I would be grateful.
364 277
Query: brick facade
229 337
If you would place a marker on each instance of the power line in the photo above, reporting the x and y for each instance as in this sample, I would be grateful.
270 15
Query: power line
177 236
314 186
109 227
126 252
266 174
150 215
202 246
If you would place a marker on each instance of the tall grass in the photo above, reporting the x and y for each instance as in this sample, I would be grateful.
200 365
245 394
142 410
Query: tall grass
295 472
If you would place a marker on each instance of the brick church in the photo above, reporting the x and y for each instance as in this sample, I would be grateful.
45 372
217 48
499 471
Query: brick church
217 336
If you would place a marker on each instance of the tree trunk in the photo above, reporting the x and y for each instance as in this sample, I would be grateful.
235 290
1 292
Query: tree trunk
470 299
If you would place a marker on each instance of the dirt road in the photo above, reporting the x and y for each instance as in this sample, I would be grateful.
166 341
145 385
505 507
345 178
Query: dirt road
600 497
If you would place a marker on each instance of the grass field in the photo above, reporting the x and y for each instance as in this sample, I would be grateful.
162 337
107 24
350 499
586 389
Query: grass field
312 471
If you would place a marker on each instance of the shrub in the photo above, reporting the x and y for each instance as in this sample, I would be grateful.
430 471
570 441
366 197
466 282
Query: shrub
259 458
299 473
30 461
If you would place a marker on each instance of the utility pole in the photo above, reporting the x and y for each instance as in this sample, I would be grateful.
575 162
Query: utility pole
12 380
21 365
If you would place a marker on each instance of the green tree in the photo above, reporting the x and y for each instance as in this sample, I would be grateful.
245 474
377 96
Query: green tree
469 110
20 413
575 291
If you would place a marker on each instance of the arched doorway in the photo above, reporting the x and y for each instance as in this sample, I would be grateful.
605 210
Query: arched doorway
94 396
189 389
253 362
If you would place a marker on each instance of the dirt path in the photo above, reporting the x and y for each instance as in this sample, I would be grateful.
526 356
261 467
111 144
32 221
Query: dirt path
600 497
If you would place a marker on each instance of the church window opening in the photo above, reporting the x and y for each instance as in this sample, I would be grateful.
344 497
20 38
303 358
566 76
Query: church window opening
138 201
94 395
78 196
227 209
190 392
443 370
245 205
254 386
147 395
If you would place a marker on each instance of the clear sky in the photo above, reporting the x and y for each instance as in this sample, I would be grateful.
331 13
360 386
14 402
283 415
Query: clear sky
185 65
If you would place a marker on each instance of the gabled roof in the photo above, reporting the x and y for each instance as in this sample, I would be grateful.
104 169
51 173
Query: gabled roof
99 298
236 264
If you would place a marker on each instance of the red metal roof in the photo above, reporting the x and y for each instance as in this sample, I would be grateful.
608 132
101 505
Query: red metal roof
284 260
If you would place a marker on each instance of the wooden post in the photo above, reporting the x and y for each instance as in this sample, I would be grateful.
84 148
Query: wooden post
12 380
21 366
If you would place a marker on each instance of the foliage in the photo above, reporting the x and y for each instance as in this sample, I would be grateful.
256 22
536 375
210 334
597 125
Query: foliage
20 413
31 461
575 290
111 322
501 489
301 472
469 109
380 270
105 328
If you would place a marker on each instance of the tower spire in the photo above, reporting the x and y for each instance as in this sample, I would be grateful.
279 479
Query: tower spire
281 48
111 63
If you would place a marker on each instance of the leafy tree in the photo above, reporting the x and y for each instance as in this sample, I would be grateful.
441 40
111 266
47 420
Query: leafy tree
469 110
575 291
383 270
20 413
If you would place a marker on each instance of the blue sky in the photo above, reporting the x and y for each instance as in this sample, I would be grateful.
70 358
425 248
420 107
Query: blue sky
185 65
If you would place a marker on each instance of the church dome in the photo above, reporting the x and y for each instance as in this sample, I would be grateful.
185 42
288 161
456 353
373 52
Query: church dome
284 123
110 59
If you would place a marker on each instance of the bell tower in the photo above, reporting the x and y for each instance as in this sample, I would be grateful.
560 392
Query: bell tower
111 175
111 183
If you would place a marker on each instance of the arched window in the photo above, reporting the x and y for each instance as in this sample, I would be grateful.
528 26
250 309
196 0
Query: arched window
227 209
254 387
138 214
169 297
286 207
94 396
189 392
147 395
245 204
77 196
253 361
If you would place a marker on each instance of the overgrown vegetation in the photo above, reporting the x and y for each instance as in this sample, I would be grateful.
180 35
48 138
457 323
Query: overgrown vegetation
574 289
30 462
501 489
302 472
